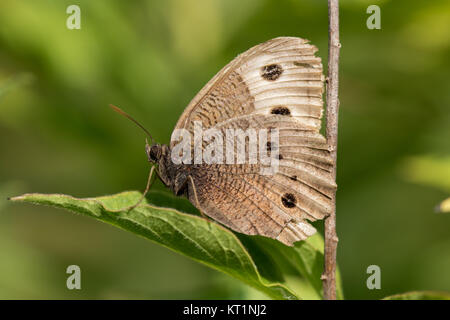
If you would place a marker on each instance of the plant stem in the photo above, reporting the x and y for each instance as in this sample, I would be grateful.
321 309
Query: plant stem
331 239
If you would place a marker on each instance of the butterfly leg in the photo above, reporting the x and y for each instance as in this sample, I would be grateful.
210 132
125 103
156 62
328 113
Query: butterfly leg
196 200
147 188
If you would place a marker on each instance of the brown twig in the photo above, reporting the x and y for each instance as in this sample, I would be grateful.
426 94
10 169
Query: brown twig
331 239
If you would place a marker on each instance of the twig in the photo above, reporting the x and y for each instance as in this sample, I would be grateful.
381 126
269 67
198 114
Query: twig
331 239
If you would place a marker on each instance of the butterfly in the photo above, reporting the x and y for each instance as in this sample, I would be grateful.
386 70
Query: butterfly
277 84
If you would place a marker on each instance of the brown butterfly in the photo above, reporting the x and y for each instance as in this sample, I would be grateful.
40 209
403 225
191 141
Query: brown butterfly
275 85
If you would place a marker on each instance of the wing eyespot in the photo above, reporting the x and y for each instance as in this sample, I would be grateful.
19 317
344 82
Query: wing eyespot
284 111
271 72
288 200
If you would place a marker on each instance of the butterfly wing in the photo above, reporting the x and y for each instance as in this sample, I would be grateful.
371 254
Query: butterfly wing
277 84
282 72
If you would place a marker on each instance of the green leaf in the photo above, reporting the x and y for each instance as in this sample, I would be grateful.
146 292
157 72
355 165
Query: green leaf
14 82
429 170
278 271
420 295
205 242
444 206
301 265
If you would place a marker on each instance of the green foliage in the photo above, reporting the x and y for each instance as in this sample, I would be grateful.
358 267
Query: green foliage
148 57
444 206
260 263
420 295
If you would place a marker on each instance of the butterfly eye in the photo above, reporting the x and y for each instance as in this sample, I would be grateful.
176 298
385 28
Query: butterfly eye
154 153
271 72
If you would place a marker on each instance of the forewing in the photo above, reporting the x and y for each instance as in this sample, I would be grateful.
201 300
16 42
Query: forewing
274 77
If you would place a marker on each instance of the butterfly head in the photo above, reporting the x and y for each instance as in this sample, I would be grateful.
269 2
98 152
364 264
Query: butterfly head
153 152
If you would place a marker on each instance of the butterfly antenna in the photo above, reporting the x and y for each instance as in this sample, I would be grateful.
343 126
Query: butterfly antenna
123 113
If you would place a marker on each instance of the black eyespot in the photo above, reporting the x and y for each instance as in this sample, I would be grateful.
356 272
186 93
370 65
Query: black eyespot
284 111
280 157
293 178
271 72
269 146
288 200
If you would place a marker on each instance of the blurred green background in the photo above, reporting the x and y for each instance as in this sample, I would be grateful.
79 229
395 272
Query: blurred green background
57 135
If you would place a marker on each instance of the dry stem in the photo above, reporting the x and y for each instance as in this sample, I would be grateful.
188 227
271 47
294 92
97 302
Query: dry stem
331 239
